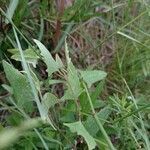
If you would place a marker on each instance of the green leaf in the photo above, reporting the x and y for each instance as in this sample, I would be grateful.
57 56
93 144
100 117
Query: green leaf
49 100
11 9
14 119
51 82
30 56
68 114
93 76
59 62
52 65
91 124
129 37
76 10
10 135
7 88
97 91
73 84
94 97
22 11
21 87
80 129
13 51
35 80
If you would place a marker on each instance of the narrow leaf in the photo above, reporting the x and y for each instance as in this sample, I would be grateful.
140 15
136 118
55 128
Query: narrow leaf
73 84
59 62
11 9
129 37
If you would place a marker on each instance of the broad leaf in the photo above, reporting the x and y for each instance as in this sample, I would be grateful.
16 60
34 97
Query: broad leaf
20 85
91 124
91 77
30 56
69 113
80 129
52 65
49 100
94 97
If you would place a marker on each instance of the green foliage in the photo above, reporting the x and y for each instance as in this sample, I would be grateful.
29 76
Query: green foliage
20 86
73 84
90 122
11 9
49 100
30 56
84 108
8 136
91 77
50 62
79 128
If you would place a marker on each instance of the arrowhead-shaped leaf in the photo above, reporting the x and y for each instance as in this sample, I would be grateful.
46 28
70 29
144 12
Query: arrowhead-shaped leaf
93 76
49 100
30 56
80 129
52 65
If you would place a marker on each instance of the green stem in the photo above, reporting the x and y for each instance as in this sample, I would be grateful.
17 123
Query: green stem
140 117
98 121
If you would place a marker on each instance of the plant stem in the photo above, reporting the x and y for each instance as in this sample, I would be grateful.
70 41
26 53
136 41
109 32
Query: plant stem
98 121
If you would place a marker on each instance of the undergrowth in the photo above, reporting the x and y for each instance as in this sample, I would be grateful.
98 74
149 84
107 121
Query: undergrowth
74 74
